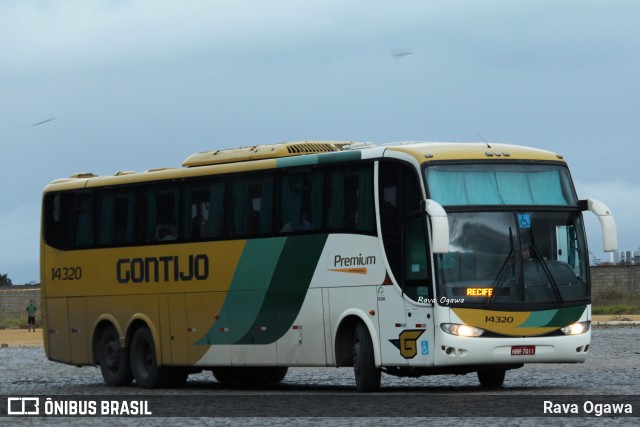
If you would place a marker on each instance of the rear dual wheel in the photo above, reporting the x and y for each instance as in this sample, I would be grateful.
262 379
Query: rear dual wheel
114 360
144 364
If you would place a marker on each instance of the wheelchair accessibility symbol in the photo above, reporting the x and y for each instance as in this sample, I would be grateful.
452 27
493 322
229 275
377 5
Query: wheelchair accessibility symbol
524 220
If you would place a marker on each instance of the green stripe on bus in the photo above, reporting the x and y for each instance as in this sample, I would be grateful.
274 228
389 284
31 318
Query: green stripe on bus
553 318
287 162
319 159
247 291
567 316
538 319
287 290
342 156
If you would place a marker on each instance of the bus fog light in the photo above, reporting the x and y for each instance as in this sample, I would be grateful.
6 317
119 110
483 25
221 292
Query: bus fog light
461 330
576 328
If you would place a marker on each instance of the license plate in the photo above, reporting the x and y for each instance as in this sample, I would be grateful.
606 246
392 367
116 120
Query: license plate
523 350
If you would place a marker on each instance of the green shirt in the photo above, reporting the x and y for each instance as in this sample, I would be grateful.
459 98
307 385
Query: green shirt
31 309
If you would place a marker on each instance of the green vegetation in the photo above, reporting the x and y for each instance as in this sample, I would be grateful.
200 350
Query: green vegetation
616 310
614 302
5 280
11 322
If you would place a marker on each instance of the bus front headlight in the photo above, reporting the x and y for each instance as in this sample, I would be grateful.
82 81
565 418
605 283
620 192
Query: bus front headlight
576 328
461 330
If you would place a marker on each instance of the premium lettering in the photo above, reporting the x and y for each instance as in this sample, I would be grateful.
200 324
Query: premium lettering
354 261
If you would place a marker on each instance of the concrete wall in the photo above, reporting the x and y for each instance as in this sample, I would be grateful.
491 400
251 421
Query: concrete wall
13 305
617 283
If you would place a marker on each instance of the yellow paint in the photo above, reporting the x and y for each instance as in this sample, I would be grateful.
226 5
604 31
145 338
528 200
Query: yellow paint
408 344
427 152
169 307
501 322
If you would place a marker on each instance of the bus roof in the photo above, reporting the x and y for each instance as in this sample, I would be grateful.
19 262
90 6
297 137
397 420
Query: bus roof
426 152
267 151
307 153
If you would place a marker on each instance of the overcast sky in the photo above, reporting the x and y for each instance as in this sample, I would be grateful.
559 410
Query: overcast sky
134 85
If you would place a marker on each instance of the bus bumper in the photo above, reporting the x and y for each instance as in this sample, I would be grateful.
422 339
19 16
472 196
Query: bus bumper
455 350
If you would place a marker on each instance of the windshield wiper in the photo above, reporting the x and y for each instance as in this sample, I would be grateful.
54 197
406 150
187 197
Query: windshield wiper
547 272
503 272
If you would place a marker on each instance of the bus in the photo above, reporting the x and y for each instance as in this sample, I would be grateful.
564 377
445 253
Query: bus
411 258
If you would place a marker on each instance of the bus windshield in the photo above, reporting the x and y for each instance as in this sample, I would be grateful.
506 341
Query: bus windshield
500 184
514 258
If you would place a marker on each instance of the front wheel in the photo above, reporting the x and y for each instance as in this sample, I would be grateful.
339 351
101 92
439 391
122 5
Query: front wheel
491 378
364 365
144 363
114 360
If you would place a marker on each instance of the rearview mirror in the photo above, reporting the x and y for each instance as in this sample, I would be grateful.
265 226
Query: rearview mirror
607 223
439 226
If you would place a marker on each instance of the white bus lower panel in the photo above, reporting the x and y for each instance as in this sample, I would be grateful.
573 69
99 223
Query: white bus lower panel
454 350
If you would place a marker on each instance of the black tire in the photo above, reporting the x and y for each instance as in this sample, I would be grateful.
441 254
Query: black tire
275 374
144 363
226 375
175 377
491 378
114 360
364 365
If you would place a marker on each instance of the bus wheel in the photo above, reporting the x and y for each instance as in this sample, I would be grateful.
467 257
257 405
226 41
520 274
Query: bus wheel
114 360
491 378
144 364
230 375
364 366
176 377
275 374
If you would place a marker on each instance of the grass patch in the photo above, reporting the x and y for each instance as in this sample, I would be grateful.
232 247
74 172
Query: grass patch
616 310
11 322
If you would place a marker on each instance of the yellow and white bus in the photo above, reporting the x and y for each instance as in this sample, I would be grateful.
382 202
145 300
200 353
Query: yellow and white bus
411 259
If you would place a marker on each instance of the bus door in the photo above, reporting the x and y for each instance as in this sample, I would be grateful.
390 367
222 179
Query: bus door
406 311
417 339
78 338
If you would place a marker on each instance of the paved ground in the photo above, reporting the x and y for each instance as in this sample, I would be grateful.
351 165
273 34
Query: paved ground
24 338
611 372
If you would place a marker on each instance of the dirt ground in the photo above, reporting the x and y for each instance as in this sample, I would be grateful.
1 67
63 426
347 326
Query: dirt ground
20 338
23 338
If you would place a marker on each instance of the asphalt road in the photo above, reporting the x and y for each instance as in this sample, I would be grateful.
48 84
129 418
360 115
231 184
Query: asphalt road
326 396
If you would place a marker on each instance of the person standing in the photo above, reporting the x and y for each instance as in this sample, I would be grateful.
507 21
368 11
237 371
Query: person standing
31 316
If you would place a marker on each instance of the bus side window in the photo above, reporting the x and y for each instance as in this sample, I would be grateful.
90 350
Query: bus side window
399 193
116 217
252 205
57 219
124 217
83 220
162 217
301 194
416 261
350 202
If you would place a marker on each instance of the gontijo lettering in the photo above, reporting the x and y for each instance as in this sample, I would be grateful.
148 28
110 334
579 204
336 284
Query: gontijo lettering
162 269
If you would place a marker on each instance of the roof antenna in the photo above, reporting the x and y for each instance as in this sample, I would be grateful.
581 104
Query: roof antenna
483 139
